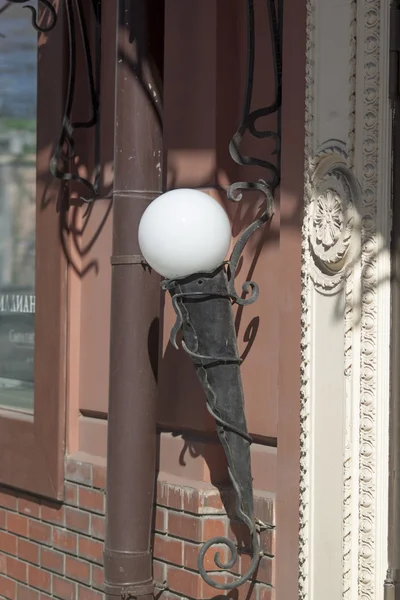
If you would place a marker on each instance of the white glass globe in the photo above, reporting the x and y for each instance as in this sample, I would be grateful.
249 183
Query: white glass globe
184 232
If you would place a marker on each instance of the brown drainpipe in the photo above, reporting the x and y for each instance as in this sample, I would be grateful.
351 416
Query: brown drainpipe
135 300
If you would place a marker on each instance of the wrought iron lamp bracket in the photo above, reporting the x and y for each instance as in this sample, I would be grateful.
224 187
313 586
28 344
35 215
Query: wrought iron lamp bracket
203 307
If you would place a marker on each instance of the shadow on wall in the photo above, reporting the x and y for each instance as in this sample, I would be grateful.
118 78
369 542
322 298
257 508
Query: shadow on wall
80 224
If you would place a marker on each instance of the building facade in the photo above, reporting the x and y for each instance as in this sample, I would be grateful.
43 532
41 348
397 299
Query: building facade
320 393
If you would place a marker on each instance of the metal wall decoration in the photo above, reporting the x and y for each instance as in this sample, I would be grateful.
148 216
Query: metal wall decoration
65 152
62 162
203 305
47 5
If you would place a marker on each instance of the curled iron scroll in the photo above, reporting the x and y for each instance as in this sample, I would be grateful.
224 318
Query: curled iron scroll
65 150
268 211
196 316
47 5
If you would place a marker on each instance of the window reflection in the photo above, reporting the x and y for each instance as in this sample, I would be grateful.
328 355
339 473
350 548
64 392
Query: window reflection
18 80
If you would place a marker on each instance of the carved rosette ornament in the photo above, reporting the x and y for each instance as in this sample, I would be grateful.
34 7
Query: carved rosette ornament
328 218
334 193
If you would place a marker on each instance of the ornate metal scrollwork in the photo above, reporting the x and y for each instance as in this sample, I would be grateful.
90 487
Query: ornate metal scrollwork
203 305
47 5
65 151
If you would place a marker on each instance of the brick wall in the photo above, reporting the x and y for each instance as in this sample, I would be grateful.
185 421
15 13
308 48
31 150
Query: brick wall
50 550
190 514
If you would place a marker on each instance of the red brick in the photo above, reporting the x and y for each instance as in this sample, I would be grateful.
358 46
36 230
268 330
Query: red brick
245 563
210 502
40 532
92 500
265 592
79 472
239 534
25 593
264 508
8 543
168 549
8 501
77 569
77 520
52 560
97 578
16 569
267 540
190 584
17 524
28 551
86 594
169 495
64 589
191 553
161 520
207 591
162 493
65 540
205 501
39 579
213 527
28 507
53 514
167 595
265 572
159 572
191 500
8 588
3 519
246 591
71 494
97 526
175 497
91 550
185 582
185 526
45 597
99 477
3 562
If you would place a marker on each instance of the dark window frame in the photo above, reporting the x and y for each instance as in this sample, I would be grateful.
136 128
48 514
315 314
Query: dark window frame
32 447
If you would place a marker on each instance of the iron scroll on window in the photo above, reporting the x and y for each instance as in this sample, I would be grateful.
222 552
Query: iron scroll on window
44 19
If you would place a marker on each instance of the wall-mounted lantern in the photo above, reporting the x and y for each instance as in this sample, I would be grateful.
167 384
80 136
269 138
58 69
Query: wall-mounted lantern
185 236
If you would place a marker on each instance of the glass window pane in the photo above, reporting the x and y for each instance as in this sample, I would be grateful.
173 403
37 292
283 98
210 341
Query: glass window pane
18 80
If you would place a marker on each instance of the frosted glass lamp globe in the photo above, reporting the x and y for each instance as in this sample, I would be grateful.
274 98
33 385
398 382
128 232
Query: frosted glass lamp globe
183 232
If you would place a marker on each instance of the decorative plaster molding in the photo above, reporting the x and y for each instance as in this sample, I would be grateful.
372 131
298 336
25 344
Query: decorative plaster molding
334 198
345 236
305 372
